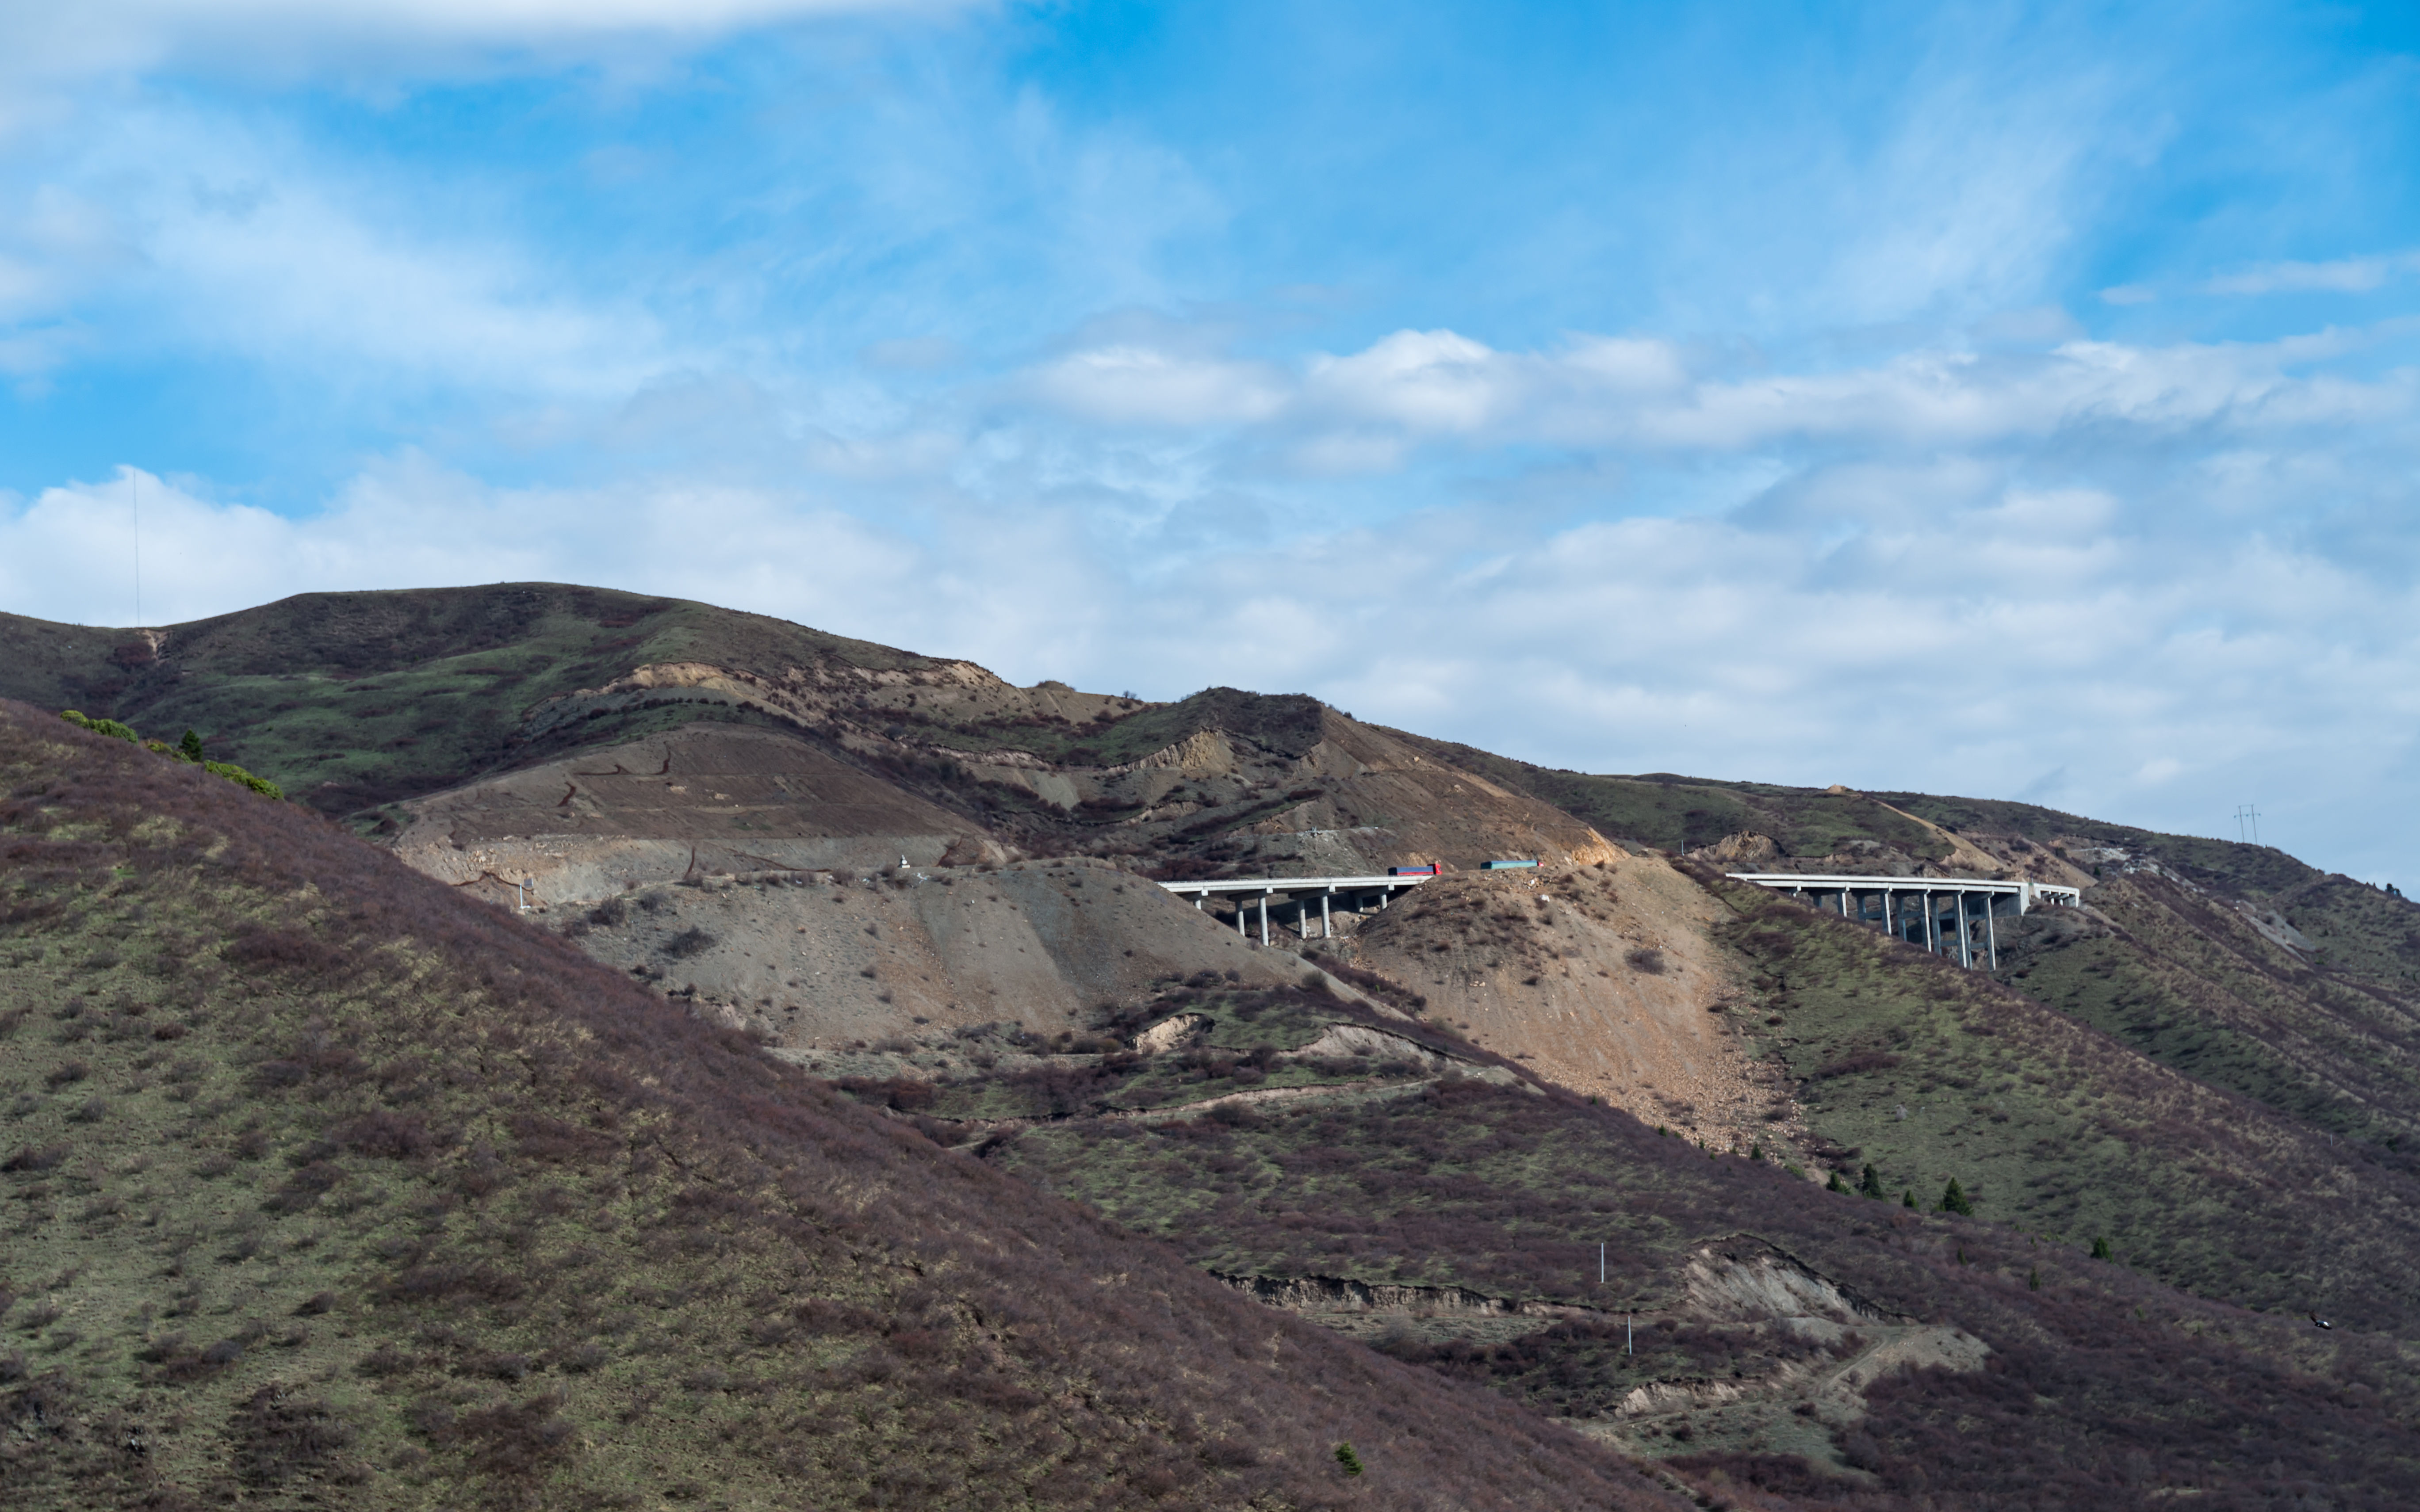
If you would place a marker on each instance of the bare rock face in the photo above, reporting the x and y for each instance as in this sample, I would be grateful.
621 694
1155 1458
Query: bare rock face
1179 1033
1746 852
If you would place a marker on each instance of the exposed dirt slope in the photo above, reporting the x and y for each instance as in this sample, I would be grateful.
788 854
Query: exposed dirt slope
701 800
1603 979
1225 780
821 961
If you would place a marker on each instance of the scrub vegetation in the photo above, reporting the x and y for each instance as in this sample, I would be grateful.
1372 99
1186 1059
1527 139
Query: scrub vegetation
1932 1073
2098 1390
328 1186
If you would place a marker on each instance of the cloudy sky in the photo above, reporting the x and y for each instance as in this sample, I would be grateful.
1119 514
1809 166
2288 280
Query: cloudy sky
2004 400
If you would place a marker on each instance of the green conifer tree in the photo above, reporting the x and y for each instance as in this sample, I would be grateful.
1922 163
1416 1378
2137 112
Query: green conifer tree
1346 1458
1953 1199
1907 1199
191 747
2101 1249
1871 1185
1836 1184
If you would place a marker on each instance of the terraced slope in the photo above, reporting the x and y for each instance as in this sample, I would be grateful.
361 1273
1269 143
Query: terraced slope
329 1185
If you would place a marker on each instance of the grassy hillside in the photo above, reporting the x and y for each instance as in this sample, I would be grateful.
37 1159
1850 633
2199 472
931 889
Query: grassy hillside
333 1185
2191 982
328 1186
1930 1073
351 699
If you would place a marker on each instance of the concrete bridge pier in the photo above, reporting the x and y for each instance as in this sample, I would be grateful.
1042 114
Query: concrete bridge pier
1967 909
1358 894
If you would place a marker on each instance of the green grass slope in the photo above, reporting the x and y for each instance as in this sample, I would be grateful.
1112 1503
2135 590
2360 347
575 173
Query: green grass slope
2193 983
352 699
1930 1073
328 1186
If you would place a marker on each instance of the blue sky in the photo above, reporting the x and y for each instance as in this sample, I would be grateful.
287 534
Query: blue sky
2006 400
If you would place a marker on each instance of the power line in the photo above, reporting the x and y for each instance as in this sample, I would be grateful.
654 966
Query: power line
134 487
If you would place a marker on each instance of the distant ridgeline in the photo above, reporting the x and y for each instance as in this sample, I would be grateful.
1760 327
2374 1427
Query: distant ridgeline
187 750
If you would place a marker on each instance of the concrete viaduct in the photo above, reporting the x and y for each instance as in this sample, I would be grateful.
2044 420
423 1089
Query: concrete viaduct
1956 915
1352 894
1940 914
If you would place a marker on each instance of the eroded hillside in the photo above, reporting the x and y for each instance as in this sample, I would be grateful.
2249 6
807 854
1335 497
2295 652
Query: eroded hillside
332 1186
1606 978
820 958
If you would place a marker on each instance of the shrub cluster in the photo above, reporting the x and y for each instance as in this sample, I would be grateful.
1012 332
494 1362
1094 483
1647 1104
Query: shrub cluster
189 750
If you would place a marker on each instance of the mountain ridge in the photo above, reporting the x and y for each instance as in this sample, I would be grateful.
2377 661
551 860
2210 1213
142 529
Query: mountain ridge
935 890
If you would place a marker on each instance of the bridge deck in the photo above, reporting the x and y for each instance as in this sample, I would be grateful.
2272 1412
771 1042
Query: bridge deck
1930 924
2026 893
1353 893
1292 885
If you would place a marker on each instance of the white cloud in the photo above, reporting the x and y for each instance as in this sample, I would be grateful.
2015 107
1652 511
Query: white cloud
2346 276
1431 381
1367 409
2341 275
1137 385
371 36
216 240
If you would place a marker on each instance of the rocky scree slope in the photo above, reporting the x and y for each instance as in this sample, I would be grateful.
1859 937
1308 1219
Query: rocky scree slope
818 960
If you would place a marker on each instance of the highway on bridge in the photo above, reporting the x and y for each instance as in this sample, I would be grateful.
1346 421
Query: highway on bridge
1353 894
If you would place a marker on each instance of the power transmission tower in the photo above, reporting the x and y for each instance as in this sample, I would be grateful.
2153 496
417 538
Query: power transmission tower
2247 816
